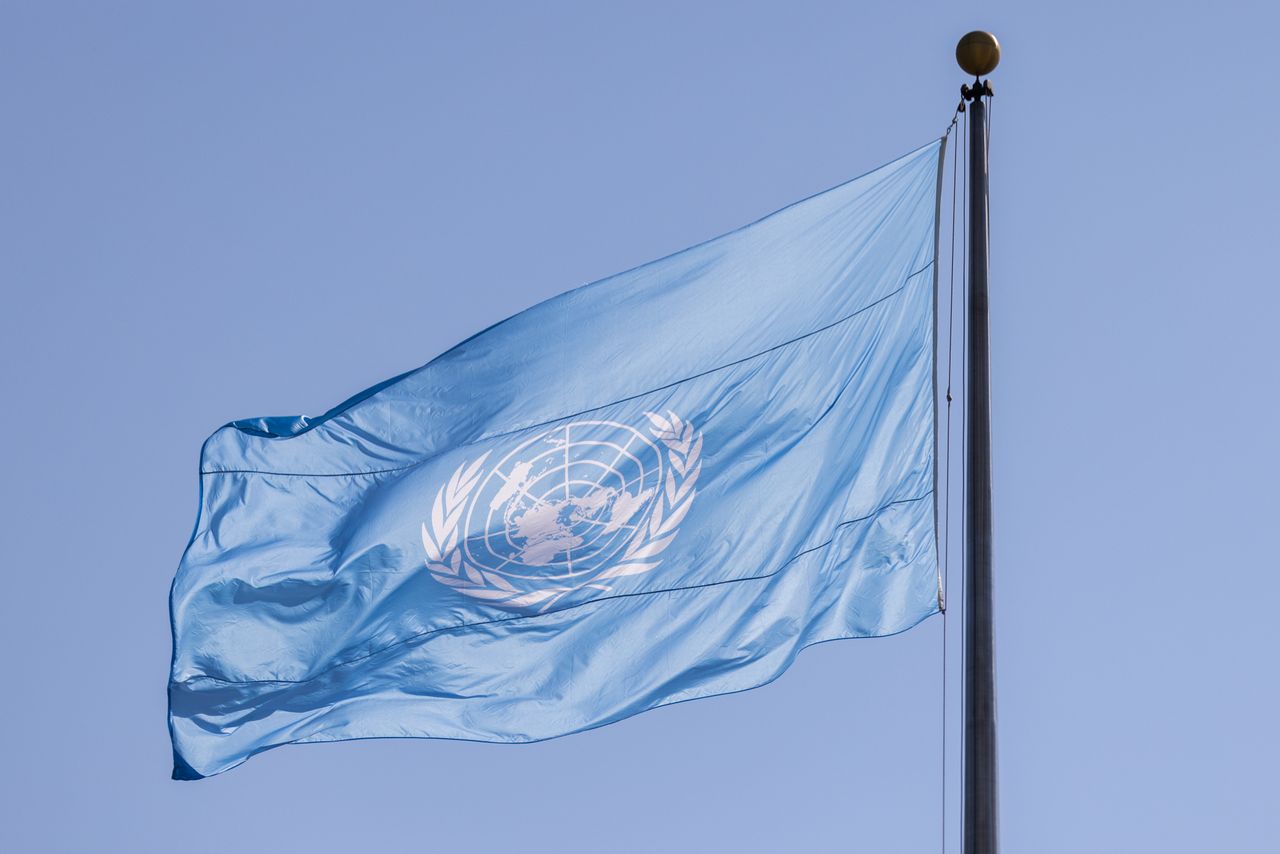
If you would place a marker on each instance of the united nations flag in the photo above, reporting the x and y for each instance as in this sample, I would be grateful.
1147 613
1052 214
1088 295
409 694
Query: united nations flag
675 478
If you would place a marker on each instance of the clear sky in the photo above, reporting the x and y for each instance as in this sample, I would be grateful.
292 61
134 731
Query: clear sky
216 211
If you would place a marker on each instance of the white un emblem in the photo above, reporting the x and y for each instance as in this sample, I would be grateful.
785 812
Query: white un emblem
571 508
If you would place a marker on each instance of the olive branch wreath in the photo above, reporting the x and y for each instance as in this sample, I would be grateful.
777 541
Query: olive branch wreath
441 532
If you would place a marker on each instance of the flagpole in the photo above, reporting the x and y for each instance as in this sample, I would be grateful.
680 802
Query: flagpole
978 54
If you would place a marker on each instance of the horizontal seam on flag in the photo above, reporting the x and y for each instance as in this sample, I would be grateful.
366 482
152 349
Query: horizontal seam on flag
673 384
501 620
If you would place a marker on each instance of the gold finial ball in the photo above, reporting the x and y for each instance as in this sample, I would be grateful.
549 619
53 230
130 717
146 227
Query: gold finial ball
978 53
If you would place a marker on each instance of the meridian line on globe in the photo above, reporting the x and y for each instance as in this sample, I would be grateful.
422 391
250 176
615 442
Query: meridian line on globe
621 452
569 549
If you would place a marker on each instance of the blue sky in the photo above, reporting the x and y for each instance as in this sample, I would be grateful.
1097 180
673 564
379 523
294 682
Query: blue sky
211 213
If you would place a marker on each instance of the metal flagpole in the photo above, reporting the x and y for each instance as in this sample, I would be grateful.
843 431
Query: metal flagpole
978 54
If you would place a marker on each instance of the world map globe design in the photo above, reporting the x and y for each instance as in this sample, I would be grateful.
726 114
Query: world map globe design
565 503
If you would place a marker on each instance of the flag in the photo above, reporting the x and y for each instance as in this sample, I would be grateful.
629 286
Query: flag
653 488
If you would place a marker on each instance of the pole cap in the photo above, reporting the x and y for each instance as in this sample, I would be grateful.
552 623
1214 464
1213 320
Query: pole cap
978 53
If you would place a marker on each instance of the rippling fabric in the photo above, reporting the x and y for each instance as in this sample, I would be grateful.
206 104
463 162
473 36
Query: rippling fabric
657 487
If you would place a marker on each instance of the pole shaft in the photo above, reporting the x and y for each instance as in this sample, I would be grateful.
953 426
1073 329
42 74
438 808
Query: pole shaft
980 790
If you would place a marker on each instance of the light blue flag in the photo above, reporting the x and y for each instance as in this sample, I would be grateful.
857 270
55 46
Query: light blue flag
657 487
